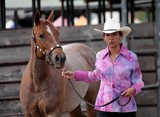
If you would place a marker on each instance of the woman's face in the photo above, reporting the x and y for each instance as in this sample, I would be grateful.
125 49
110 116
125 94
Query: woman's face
112 40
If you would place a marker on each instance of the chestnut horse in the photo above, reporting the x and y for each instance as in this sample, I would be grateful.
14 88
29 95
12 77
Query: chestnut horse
43 91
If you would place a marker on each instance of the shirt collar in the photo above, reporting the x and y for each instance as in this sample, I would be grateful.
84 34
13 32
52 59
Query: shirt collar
124 52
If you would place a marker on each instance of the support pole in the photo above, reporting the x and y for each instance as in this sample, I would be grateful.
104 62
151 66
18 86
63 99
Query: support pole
33 10
39 5
124 16
2 14
157 38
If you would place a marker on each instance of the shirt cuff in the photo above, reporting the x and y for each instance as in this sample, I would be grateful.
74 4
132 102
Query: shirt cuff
80 75
136 89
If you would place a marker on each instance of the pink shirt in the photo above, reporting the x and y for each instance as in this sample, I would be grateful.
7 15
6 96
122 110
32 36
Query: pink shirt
115 77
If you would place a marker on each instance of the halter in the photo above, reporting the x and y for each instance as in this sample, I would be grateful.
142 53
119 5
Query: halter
47 55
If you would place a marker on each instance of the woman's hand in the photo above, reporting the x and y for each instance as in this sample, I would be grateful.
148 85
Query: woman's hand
129 92
68 74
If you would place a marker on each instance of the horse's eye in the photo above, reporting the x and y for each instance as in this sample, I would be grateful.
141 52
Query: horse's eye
41 36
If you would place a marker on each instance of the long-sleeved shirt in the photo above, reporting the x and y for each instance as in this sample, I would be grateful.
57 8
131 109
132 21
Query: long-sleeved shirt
115 77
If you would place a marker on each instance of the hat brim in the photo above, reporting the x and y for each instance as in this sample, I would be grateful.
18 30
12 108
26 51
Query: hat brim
125 30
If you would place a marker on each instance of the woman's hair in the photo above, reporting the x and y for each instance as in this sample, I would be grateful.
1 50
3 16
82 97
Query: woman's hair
120 33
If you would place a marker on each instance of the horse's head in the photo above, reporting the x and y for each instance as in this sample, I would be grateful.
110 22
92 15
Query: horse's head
46 40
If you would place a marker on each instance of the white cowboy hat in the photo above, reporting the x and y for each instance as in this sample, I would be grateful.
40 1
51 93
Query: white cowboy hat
112 25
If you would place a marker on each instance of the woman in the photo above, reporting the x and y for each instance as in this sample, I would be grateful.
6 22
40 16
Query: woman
119 72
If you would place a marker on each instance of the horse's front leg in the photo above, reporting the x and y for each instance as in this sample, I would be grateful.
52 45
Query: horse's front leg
34 112
53 112
34 115
54 115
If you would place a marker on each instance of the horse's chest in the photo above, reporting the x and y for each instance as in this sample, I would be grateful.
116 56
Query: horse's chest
46 97
43 101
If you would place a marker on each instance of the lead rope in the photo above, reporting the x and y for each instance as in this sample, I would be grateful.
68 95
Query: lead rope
118 98
63 69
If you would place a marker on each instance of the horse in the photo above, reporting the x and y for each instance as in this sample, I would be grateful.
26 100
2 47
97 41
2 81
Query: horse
43 90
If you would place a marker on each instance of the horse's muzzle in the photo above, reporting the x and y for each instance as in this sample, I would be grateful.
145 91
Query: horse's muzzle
60 60
56 57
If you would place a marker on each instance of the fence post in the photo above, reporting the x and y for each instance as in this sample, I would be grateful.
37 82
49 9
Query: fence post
124 17
2 14
157 37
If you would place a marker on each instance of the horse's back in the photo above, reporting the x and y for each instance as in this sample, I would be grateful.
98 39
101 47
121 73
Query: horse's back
79 57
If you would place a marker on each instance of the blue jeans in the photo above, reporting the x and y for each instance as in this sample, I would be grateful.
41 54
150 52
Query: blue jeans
115 114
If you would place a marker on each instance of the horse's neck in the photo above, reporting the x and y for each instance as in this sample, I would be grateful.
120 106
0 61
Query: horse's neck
41 72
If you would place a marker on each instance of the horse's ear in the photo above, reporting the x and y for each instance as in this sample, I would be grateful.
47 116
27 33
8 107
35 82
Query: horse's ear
37 17
51 16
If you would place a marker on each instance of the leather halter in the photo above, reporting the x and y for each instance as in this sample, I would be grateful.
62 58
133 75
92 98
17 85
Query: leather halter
47 55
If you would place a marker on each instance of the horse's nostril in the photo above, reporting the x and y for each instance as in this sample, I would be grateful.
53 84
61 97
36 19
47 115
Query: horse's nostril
60 60
57 58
